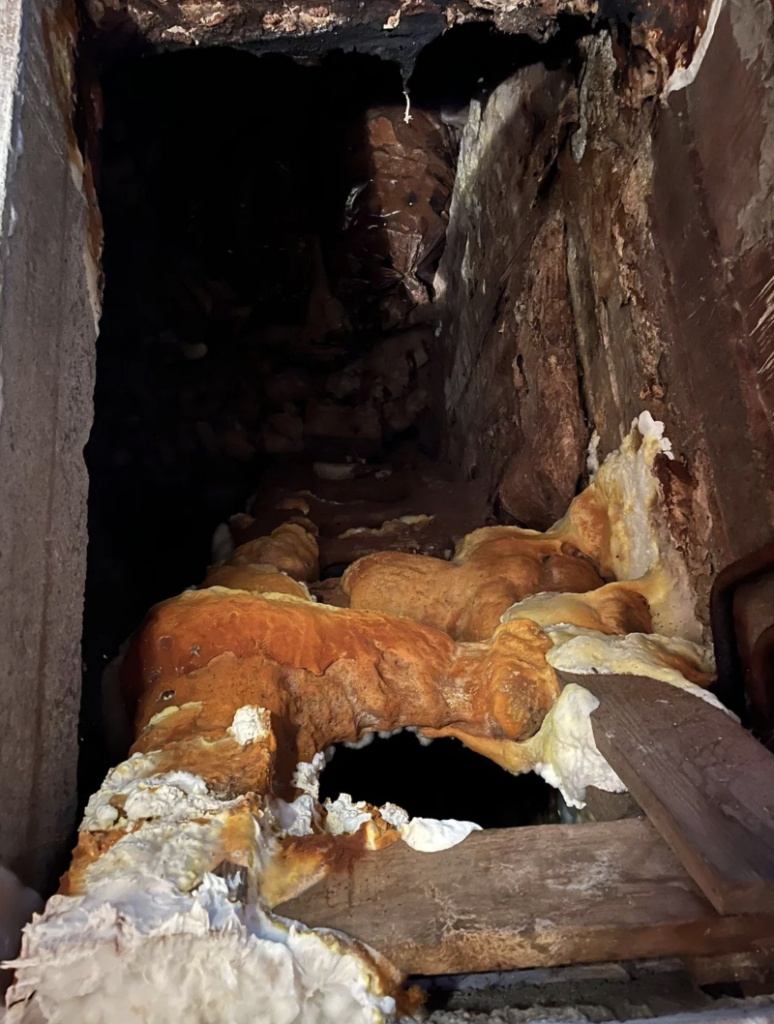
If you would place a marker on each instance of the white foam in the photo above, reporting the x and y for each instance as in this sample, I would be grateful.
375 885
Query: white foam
565 753
343 816
431 835
137 949
250 725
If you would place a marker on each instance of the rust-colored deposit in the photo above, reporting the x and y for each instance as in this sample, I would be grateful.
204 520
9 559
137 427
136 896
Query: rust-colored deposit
243 680
327 675
614 609
257 579
291 549
301 861
420 645
466 597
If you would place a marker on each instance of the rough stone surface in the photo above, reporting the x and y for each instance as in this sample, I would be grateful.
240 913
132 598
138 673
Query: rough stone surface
632 233
393 28
670 30
542 474
669 251
512 394
47 332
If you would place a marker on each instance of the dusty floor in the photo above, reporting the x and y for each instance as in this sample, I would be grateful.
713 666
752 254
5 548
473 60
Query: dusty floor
597 993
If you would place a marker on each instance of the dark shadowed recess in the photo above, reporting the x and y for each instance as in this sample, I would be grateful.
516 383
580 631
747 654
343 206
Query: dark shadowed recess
215 168
442 780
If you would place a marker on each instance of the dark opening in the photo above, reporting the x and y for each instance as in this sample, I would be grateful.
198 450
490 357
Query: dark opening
223 177
442 780
247 267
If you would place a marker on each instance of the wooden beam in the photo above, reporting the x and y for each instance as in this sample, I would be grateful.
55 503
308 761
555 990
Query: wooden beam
705 783
527 897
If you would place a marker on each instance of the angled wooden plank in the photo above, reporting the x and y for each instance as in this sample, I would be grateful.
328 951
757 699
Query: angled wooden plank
705 783
527 897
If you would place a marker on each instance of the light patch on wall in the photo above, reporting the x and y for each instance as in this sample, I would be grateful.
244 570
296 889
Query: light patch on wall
682 77
11 44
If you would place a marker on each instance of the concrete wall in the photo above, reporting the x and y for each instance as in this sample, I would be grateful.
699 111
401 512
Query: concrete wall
48 309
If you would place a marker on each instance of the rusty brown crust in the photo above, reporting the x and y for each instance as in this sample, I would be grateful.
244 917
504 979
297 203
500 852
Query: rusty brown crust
256 579
466 598
326 675
291 548
493 569
252 636
615 609
407 652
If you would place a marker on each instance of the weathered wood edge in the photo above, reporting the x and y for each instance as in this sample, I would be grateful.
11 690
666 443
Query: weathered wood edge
530 897
704 781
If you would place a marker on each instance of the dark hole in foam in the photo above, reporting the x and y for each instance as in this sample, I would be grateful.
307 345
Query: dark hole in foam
442 780
334 570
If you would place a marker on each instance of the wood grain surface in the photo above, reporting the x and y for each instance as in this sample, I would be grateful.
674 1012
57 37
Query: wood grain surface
706 784
527 897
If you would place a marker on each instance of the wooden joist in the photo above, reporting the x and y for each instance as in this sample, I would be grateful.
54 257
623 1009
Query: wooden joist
705 783
528 897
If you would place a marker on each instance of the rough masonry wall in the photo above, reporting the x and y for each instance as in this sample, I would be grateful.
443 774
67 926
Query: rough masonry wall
512 395
602 230
47 333
669 244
